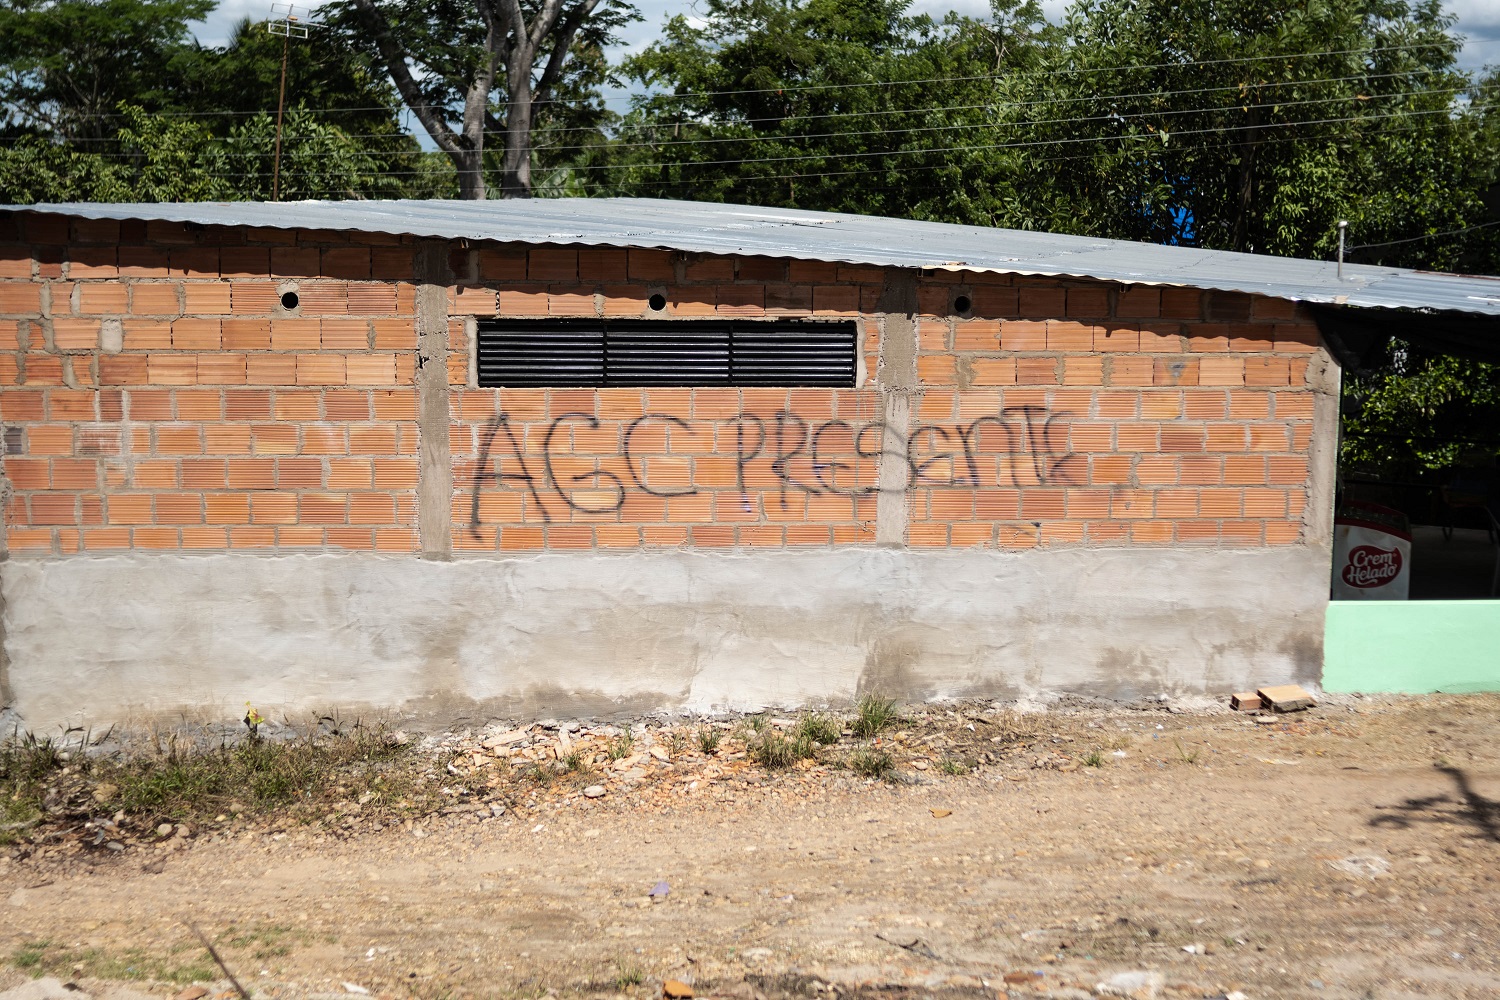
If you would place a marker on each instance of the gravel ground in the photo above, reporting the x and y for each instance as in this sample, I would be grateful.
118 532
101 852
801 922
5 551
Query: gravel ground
1157 849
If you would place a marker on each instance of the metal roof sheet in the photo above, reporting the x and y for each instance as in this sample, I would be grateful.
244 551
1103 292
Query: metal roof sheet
716 228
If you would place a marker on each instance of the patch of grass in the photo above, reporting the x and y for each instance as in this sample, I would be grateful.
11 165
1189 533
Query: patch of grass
44 958
872 714
868 762
819 728
1094 758
538 773
577 762
621 746
1184 754
677 743
955 767
628 976
264 940
708 739
773 750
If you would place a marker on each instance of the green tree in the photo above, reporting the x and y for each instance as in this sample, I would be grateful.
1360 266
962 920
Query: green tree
1242 125
468 70
839 105
66 64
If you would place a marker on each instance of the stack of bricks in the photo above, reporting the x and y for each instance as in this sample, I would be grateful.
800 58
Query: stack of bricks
156 392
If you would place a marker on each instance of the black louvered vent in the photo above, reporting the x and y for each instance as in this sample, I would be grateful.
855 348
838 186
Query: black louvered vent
666 352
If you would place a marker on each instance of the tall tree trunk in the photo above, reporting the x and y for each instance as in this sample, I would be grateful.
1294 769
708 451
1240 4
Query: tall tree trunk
515 177
470 166
1239 238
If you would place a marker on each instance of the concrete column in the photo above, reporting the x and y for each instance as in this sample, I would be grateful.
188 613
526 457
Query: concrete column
1325 378
434 459
897 378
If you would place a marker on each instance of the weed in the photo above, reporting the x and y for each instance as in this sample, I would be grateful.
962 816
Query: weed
676 743
577 762
621 746
708 739
540 774
772 749
756 724
868 762
628 976
872 714
819 728
1094 758
1184 755
954 767
44 958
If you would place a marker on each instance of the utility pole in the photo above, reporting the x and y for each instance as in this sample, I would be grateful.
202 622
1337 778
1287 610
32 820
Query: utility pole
286 22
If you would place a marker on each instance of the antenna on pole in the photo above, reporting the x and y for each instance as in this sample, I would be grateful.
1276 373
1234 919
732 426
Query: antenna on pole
286 22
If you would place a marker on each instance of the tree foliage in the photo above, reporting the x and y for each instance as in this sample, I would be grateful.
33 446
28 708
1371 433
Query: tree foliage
469 69
184 122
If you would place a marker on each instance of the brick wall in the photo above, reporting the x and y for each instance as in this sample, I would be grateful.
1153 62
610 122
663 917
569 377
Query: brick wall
155 394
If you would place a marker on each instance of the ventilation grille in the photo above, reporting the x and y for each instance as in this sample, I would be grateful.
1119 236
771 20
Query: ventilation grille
669 352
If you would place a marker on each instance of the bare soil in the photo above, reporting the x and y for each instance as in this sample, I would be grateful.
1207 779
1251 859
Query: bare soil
1349 851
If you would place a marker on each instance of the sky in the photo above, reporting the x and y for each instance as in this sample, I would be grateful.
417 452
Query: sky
1478 20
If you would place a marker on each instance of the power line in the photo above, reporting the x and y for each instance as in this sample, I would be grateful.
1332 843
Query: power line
1114 116
1150 141
1183 64
920 109
1428 236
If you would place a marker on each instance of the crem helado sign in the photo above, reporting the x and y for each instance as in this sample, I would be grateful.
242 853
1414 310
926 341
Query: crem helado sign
1369 566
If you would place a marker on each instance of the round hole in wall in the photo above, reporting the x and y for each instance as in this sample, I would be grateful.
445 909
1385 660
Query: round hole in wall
289 300
657 301
962 304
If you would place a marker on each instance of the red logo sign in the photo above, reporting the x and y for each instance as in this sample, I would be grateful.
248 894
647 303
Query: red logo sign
1371 567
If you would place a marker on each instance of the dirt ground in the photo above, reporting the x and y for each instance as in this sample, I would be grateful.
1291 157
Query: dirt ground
1352 850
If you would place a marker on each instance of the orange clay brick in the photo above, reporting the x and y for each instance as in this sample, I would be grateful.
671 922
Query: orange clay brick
270 369
1090 303
741 300
245 334
1161 338
75 334
320 369
18 297
1138 302
297 536
201 298
221 369
323 298
1295 338
1070 335
1201 470
1245 470
1023 335
1221 371
1041 302
1131 370
1294 405
1117 337
101 298
1283 532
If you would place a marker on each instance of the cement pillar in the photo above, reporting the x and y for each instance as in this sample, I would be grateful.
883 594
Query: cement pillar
434 459
897 378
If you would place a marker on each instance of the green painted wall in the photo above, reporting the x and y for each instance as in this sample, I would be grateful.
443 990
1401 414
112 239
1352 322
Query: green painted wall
1412 646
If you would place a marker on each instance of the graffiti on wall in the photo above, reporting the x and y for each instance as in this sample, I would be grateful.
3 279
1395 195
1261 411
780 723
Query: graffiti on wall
832 457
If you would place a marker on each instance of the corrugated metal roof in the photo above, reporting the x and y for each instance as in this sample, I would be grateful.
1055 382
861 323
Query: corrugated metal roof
716 228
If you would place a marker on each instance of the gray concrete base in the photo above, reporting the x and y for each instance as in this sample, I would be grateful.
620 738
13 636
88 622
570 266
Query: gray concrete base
97 641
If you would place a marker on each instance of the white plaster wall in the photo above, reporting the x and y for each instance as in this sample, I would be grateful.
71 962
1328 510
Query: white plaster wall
121 640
